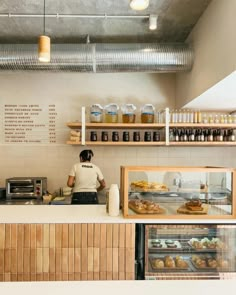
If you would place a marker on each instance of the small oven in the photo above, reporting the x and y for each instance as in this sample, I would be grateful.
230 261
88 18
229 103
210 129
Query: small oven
25 187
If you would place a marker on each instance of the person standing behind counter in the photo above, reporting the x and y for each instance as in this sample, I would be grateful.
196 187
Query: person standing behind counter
83 179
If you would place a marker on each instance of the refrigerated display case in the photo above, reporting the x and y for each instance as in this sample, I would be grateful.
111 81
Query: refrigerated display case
185 251
178 192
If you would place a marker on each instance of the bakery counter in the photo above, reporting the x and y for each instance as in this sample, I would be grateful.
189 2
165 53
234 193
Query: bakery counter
80 214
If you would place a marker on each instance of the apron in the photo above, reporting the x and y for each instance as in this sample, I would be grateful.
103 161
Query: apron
84 198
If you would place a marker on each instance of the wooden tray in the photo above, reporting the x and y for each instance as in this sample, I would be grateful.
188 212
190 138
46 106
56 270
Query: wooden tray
203 268
183 210
147 190
143 211
166 268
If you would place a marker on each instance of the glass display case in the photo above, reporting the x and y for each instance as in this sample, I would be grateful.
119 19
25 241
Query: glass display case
178 192
186 251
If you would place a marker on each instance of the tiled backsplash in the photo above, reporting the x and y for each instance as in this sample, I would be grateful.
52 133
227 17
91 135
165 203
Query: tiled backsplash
55 162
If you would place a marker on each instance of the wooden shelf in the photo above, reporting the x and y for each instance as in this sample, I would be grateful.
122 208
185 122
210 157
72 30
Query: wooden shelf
116 125
120 143
204 143
201 125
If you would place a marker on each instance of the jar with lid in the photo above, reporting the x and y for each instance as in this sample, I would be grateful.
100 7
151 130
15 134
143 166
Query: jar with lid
111 113
147 113
147 136
156 136
125 136
93 136
96 112
115 136
136 136
128 113
104 136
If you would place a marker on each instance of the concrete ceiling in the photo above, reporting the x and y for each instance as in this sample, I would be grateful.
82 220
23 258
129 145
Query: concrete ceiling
176 18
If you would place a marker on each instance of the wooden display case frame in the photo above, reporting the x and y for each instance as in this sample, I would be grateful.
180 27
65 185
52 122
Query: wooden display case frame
124 191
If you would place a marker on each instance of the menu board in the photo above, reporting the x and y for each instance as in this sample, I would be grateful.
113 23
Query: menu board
29 123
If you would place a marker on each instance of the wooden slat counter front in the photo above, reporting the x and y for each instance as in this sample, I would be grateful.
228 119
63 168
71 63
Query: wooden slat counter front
64 243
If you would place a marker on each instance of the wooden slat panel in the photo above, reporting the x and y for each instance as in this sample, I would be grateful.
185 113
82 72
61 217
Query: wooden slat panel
33 260
39 277
90 234
7 277
46 238
39 260
45 260
13 236
84 276
20 277
121 235
58 260
96 260
129 260
84 260
103 275
90 259
33 238
71 276
13 261
122 260
13 277
77 263
121 276
59 276
52 276
115 235
64 276
1 261
7 260
129 276
103 259
2 236
115 261
65 237
64 262
128 235
71 260
8 236
77 276
58 235
109 235
84 234
26 261
33 276
97 230
26 235
20 260
26 277
109 275
71 236
96 276
109 260
20 236
52 260
46 276
52 235
90 276
78 236
103 236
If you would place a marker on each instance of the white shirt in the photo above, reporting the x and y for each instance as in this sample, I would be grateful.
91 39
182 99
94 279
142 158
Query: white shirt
86 175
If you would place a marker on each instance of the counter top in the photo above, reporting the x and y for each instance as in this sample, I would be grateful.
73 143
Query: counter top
79 214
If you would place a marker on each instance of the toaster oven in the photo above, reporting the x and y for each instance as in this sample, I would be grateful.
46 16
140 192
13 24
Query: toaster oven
25 187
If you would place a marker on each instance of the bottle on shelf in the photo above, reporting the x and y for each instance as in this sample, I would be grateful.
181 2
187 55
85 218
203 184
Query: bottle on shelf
115 136
93 136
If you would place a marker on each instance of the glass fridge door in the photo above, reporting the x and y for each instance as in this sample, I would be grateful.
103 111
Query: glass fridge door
190 251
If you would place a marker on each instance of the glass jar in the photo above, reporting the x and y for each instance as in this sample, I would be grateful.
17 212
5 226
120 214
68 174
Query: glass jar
111 113
147 136
156 136
128 113
104 136
136 136
125 136
93 136
147 113
115 136
96 112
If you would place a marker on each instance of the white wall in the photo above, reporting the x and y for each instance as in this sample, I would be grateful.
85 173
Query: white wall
70 92
214 43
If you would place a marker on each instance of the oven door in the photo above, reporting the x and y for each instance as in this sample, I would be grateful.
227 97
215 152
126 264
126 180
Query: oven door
20 188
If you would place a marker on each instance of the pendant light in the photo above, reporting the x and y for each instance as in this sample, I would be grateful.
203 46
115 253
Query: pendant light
44 44
139 4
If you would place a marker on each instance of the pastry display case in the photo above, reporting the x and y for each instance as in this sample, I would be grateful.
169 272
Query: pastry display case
186 251
178 192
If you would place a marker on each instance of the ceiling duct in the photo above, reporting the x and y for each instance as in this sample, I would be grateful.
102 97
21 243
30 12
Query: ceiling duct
99 58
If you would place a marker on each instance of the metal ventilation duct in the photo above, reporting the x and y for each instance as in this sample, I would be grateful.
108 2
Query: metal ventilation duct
99 58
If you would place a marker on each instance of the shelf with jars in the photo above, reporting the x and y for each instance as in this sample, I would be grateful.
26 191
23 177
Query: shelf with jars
197 130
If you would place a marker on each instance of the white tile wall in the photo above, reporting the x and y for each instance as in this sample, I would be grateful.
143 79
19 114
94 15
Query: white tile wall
55 162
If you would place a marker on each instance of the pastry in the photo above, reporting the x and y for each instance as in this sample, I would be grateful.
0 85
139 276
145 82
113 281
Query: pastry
211 262
222 262
171 246
169 262
201 263
197 245
169 242
194 205
181 263
156 245
158 263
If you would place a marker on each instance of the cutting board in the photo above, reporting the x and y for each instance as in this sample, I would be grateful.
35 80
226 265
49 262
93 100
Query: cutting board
184 210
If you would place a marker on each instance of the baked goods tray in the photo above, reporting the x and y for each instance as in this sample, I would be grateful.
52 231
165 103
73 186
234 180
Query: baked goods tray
166 269
154 245
203 268
204 249
144 211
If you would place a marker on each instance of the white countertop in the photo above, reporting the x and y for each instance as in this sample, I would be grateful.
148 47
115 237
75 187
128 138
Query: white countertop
79 214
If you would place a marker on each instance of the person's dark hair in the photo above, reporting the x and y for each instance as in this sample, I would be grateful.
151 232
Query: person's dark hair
86 155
